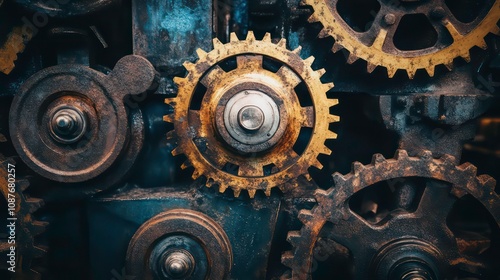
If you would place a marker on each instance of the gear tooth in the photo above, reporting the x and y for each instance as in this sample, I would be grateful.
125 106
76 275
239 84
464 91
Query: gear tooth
332 102
22 184
237 192
338 179
317 164
487 182
196 174
305 216
401 154
321 72
323 33
331 135
287 259
222 187
337 47
430 70
309 61
333 119
217 43
482 44
370 67
38 228
250 36
391 72
177 151
170 135
189 65
357 167
170 101
426 155
268 192
210 182
352 58
179 80
293 237
449 65
466 56
34 204
297 50
186 164
448 158
322 195
411 73
201 53
251 193
328 86
496 30
282 43
313 18
469 168
267 37
377 158
308 177
233 37
169 118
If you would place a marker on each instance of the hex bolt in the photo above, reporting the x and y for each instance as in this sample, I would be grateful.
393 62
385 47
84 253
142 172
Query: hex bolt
179 265
251 118
389 19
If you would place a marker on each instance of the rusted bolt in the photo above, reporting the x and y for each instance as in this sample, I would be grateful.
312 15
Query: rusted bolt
67 125
390 19
179 264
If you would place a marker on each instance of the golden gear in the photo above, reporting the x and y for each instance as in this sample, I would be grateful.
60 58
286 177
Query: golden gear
377 54
26 227
14 44
257 165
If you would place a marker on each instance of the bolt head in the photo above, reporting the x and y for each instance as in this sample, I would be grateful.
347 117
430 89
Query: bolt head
390 19
251 118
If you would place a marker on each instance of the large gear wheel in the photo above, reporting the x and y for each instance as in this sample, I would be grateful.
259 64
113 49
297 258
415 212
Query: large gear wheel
417 242
376 45
27 228
243 132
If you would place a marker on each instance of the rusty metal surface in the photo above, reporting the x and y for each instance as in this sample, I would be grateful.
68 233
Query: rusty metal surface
426 223
376 44
168 33
14 44
194 129
68 8
98 97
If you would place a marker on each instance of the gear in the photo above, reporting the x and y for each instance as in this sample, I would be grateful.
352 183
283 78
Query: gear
27 228
421 232
250 118
376 46
14 44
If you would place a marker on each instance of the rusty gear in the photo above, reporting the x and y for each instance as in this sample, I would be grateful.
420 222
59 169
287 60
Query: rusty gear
377 48
27 227
215 135
14 44
333 207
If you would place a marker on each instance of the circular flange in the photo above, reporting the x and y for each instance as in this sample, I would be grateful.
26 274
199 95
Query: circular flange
180 243
69 123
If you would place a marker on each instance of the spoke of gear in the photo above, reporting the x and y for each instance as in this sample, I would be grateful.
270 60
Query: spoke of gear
243 134
349 228
376 46
27 228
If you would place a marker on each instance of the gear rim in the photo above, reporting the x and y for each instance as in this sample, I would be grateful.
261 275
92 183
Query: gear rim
264 48
300 258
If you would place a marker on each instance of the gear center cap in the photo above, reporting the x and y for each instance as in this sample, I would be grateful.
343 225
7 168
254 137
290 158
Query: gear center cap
251 117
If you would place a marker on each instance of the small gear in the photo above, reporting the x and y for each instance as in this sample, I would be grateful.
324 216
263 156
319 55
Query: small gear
376 45
423 229
14 44
27 228
243 132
